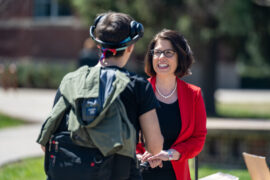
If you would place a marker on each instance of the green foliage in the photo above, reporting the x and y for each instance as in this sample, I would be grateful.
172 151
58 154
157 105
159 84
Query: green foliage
42 74
235 18
246 22
30 169
184 24
247 69
6 121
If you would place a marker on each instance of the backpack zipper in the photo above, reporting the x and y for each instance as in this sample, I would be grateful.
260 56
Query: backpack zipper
50 143
56 146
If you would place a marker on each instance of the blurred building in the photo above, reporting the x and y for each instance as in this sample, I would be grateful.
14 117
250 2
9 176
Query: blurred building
36 29
49 30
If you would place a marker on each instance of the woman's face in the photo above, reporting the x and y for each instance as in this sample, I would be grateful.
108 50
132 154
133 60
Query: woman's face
164 58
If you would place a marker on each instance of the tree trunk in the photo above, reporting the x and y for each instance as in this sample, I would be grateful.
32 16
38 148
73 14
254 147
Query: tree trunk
209 67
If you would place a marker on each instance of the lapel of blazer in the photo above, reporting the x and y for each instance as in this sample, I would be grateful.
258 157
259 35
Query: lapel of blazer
152 81
185 99
182 106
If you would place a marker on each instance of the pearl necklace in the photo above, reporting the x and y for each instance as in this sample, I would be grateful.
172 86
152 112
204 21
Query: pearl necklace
167 95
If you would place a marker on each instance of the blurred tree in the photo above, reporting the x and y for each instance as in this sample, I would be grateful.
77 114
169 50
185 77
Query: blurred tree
242 25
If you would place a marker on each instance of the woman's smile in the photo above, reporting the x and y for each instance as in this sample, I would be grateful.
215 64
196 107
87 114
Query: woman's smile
163 65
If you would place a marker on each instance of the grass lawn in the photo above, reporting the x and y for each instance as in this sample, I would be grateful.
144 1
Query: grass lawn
6 121
32 169
247 110
207 170
28 169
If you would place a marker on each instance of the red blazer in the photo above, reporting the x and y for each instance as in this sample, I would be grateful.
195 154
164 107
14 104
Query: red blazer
193 132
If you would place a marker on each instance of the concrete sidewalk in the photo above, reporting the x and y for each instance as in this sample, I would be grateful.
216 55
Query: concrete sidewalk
19 143
34 105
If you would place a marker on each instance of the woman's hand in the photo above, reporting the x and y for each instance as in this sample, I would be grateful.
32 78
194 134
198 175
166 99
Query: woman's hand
153 163
156 162
43 148
163 155
139 156
145 156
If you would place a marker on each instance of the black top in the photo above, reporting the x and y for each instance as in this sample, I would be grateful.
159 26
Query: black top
138 98
170 125
170 122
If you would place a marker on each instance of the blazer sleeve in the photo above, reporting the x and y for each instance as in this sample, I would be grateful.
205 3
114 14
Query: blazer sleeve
193 145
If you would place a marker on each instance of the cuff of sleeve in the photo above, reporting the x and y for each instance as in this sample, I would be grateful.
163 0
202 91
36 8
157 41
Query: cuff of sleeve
39 141
182 154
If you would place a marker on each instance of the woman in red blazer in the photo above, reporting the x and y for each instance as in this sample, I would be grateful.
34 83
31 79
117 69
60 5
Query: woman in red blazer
181 114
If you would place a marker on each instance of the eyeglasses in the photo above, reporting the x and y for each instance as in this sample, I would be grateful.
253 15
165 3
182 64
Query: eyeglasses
167 52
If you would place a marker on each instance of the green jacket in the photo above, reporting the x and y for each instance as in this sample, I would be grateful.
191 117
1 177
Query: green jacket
110 131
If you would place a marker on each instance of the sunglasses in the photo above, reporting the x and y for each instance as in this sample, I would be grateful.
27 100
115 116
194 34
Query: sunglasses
167 52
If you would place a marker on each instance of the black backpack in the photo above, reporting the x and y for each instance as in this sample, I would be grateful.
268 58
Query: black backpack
65 160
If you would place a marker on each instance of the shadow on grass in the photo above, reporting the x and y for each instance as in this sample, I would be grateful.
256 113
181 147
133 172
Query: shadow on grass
7 121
